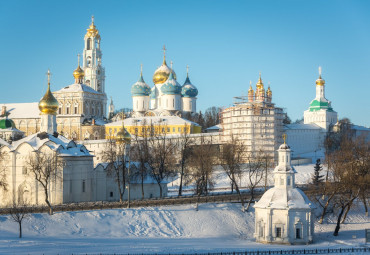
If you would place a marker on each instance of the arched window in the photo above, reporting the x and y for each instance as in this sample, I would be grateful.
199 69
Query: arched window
89 43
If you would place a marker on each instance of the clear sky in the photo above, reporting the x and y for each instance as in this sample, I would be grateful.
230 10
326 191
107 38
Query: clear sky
225 43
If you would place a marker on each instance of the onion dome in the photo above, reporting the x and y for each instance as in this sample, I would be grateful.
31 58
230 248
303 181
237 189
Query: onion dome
48 104
78 73
188 89
6 123
269 92
92 31
259 83
140 88
171 86
163 72
320 81
123 136
250 90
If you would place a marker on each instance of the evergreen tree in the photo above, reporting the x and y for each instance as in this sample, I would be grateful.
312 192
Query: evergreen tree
317 178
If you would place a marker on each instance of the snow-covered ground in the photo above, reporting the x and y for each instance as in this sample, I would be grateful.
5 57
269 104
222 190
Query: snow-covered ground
168 229
222 182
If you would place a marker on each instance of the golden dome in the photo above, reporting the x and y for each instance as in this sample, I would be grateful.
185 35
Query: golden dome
163 72
269 92
92 31
250 90
48 104
320 81
259 83
123 136
78 73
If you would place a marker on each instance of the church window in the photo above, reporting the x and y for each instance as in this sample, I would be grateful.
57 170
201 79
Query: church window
89 44
67 109
278 232
287 159
83 186
179 129
261 230
174 130
76 109
168 130
111 194
60 110
24 170
288 181
298 233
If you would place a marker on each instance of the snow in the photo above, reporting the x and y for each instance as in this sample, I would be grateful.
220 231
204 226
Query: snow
167 229
23 110
281 198
77 88
155 120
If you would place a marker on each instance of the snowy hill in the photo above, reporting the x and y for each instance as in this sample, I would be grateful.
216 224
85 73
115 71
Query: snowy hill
175 229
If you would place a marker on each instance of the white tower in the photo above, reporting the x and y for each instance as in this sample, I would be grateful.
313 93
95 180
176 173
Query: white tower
111 109
320 111
48 106
92 66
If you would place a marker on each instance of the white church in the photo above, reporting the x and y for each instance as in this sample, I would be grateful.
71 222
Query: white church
167 97
283 215
74 180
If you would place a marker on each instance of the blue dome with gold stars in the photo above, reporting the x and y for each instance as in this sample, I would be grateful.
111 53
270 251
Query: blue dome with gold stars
171 86
140 88
188 89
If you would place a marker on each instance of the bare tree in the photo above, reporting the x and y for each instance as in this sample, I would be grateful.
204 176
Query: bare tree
183 145
232 161
160 155
140 153
115 155
255 172
18 212
201 166
44 167
3 183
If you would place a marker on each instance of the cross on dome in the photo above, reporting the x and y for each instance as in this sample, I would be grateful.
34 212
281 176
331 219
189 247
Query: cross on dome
284 137
48 74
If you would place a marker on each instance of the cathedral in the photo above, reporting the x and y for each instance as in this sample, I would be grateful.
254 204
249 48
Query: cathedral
82 105
167 97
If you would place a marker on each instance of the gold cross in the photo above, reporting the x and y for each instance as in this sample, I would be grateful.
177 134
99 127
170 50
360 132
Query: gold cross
92 19
164 50
48 74
284 137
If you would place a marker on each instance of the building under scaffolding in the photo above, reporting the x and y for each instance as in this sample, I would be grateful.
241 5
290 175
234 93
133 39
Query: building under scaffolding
255 120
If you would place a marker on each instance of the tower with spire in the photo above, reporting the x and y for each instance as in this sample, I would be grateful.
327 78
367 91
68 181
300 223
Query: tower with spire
92 59
48 107
320 111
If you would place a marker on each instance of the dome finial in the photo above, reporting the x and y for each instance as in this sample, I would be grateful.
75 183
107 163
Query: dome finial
78 59
164 54
284 137
141 69
320 72
92 19
187 71
48 74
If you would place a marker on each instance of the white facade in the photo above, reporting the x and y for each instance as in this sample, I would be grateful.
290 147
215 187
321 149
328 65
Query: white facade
284 213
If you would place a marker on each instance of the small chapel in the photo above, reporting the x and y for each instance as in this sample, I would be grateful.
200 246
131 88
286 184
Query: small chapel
283 215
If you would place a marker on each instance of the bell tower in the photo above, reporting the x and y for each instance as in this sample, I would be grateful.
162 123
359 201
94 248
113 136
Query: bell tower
92 65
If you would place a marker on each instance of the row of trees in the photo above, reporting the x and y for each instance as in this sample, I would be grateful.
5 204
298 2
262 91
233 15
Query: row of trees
348 174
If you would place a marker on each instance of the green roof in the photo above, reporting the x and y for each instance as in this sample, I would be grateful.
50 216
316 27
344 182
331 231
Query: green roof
318 105
6 123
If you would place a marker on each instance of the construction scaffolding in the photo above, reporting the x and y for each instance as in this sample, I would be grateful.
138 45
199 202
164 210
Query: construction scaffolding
258 124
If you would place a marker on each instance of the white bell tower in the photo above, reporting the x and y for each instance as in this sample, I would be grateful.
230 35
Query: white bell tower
92 66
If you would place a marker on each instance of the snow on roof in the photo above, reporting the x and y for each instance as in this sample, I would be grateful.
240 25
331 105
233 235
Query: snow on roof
360 128
216 127
301 126
22 110
77 88
164 120
282 198
62 145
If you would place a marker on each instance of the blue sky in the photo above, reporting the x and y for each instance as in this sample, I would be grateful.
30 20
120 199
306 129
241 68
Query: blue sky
225 43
